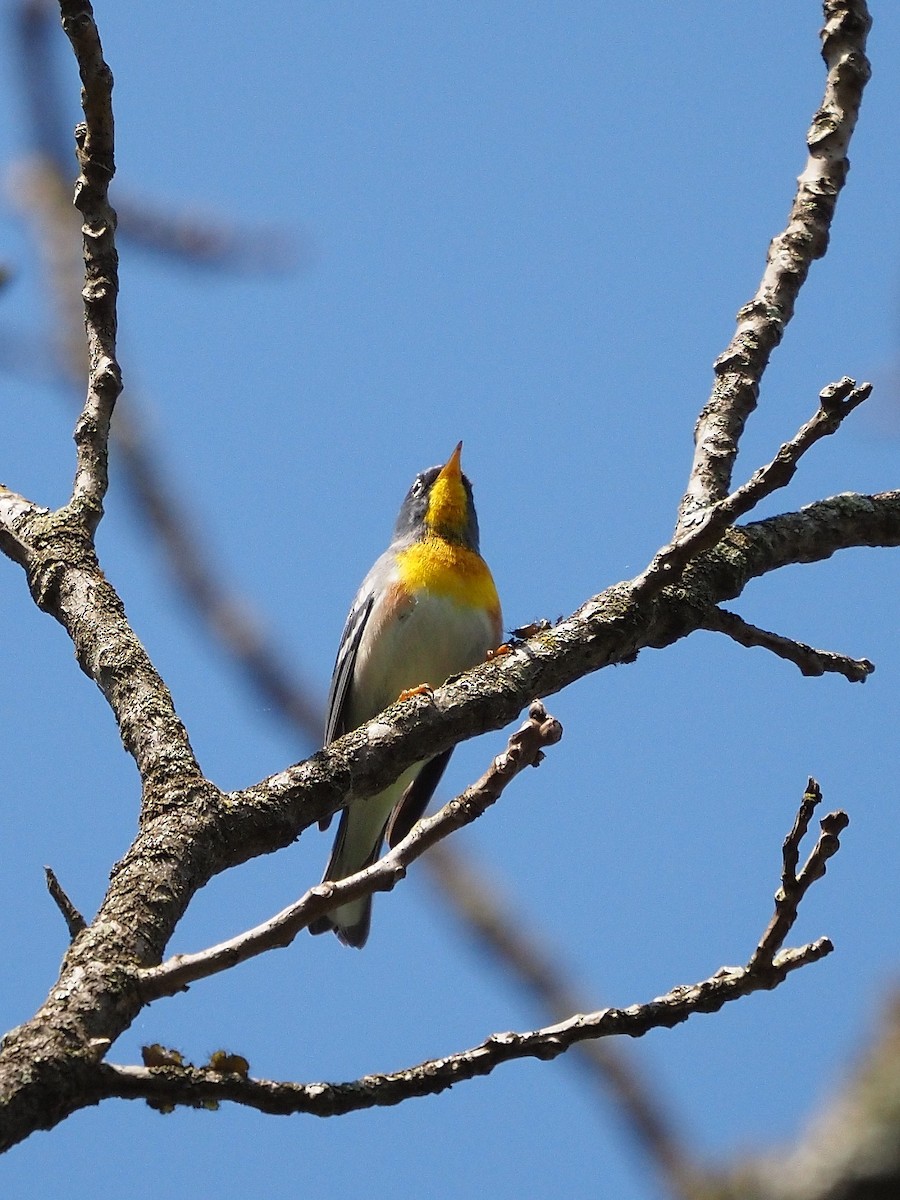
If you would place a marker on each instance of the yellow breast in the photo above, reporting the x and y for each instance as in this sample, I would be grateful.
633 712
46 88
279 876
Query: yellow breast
449 569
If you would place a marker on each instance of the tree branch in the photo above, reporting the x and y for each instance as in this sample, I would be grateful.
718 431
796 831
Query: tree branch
75 922
810 661
189 831
525 749
793 886
95 144
609 628
762 322
197 1088
769 965
836 401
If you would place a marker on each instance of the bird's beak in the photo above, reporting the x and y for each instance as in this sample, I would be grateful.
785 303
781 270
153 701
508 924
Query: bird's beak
451 468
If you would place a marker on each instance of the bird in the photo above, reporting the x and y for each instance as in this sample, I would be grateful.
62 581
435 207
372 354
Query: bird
427 609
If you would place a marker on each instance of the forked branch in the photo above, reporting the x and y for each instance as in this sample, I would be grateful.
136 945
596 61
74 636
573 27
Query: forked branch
762 322
769 966
525 748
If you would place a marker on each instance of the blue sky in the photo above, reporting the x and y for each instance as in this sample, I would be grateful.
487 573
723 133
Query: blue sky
527 226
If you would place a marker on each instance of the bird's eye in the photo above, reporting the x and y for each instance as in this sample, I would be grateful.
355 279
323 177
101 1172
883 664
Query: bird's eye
418 486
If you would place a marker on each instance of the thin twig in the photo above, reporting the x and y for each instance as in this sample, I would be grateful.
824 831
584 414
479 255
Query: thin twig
95 146
197 1087
836 401
768 966
525 748
75 922
811 662
762 322
794 886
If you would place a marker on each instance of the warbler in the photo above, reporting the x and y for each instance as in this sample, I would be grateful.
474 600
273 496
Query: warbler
427 610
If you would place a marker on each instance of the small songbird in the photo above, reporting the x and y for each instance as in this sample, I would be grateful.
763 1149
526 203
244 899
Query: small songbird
427 610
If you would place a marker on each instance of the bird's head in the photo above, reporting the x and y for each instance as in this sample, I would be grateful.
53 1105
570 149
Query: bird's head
440 504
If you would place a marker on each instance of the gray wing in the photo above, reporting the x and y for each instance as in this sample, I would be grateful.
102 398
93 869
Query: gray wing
412 804
342 675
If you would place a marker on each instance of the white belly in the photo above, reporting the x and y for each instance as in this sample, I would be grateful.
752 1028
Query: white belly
434 639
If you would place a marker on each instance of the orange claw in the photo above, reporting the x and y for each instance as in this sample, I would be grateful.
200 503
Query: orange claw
422 690
499 652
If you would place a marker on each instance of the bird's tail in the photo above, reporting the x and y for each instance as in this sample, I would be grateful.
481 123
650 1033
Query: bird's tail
353 851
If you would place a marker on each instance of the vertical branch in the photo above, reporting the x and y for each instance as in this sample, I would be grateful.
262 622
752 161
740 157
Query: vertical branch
96 160
762 322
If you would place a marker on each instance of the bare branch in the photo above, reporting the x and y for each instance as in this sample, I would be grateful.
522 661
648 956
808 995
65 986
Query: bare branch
525 748
75 922
762 322
198 1088
95 142
609 628
612 627
836 401
16 517
66 581
189 830
810 661
767 968
793 886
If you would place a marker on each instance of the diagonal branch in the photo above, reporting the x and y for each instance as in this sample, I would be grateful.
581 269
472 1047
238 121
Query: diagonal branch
762 322
609 628
525 748
198 1087
75 922
769 965
836 401
811 662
